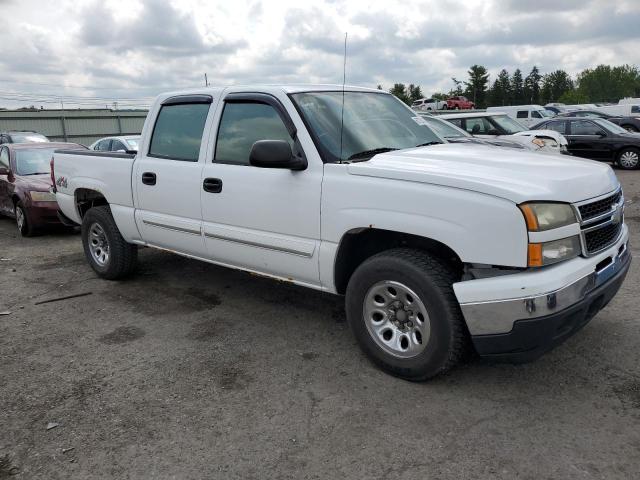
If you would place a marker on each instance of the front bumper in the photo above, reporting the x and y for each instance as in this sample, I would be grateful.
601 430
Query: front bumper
42 214
523 328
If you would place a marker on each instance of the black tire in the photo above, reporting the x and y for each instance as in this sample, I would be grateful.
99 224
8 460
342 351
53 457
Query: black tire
630 163
26 229
122 256
432 280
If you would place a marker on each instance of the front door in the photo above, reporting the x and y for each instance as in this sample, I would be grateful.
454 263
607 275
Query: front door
261 219
588 140
168 175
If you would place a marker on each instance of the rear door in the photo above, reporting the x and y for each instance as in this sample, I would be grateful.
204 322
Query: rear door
261 219
588 140
167 175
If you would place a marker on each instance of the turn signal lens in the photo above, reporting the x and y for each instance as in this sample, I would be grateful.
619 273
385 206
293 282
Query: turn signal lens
548 253
529 217
535 255
547 216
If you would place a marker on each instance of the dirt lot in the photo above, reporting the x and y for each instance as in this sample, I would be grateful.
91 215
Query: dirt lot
189 370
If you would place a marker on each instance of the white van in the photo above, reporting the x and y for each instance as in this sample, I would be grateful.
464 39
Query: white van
624 110
526 114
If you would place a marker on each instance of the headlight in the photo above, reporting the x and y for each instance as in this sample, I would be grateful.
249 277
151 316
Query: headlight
544 142
548 253
546 216
43 196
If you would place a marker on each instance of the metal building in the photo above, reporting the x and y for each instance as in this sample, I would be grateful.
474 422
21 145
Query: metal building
79 126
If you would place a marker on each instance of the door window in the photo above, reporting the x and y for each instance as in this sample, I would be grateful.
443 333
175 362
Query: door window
4 158
243 124
177 134
555 126
117 145
535 114
478 126
103 146
585 127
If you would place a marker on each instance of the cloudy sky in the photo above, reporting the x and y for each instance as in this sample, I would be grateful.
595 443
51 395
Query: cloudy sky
130 50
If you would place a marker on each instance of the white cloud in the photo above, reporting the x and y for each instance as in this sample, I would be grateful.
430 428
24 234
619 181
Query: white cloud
137 48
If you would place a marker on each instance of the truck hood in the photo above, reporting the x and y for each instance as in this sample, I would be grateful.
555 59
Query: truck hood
518 176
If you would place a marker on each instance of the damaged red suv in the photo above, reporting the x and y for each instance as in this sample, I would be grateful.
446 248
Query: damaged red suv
25 181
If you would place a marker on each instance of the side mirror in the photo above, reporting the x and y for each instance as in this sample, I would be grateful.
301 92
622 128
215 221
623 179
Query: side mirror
275 154
4 171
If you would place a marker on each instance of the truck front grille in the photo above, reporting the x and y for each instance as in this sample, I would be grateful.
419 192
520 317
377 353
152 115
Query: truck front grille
601 222
601 238
599 207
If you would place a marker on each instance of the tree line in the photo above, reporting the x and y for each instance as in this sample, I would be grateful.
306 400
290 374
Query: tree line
603 83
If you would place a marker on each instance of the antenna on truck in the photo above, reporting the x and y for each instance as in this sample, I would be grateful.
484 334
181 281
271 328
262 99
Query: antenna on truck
344 80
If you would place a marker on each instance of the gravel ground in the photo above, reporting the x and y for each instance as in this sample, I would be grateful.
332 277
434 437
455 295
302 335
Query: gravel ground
189 370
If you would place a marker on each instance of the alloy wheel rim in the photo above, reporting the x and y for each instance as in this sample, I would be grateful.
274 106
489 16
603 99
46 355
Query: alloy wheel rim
20 218
629 159
396 319
98 244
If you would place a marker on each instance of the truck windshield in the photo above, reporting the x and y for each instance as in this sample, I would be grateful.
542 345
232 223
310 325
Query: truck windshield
509 125
372 123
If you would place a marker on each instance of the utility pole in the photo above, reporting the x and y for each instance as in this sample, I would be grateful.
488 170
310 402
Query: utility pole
206 82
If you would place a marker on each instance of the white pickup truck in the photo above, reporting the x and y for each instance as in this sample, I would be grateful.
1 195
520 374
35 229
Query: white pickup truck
438 247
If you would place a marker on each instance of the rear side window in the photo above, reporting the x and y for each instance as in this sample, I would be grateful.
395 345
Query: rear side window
177 134
523 114
243 124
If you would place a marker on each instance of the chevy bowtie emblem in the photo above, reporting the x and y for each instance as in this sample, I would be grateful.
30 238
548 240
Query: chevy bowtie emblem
616 218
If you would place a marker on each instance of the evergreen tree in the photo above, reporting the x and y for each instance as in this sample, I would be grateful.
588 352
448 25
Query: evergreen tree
554 85
517 88
476 86
532 86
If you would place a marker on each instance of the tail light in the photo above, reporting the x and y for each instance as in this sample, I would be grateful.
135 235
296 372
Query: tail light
53 177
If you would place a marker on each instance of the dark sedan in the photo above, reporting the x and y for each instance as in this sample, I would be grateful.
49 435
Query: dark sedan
630 124
25 180
598 139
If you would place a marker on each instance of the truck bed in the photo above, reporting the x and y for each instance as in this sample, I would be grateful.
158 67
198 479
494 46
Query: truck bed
109 173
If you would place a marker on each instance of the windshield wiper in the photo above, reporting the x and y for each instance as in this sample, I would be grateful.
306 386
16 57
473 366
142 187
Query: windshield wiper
370 153
426 144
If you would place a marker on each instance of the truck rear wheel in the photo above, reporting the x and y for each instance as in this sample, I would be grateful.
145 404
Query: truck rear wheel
401 307
109 255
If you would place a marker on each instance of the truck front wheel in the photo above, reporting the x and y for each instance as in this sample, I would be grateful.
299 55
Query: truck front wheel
109 255
401 307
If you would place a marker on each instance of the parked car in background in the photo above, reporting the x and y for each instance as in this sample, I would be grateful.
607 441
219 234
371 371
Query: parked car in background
500 125
554 110
454 134
524 114
598 139
17 136
459 103
630 124
429 104
116 144
25 182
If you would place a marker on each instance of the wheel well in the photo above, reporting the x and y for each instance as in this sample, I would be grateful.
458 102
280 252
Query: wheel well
359 244
86 199
15 198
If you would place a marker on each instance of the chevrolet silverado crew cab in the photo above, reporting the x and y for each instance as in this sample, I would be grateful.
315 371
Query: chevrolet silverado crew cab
437 247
